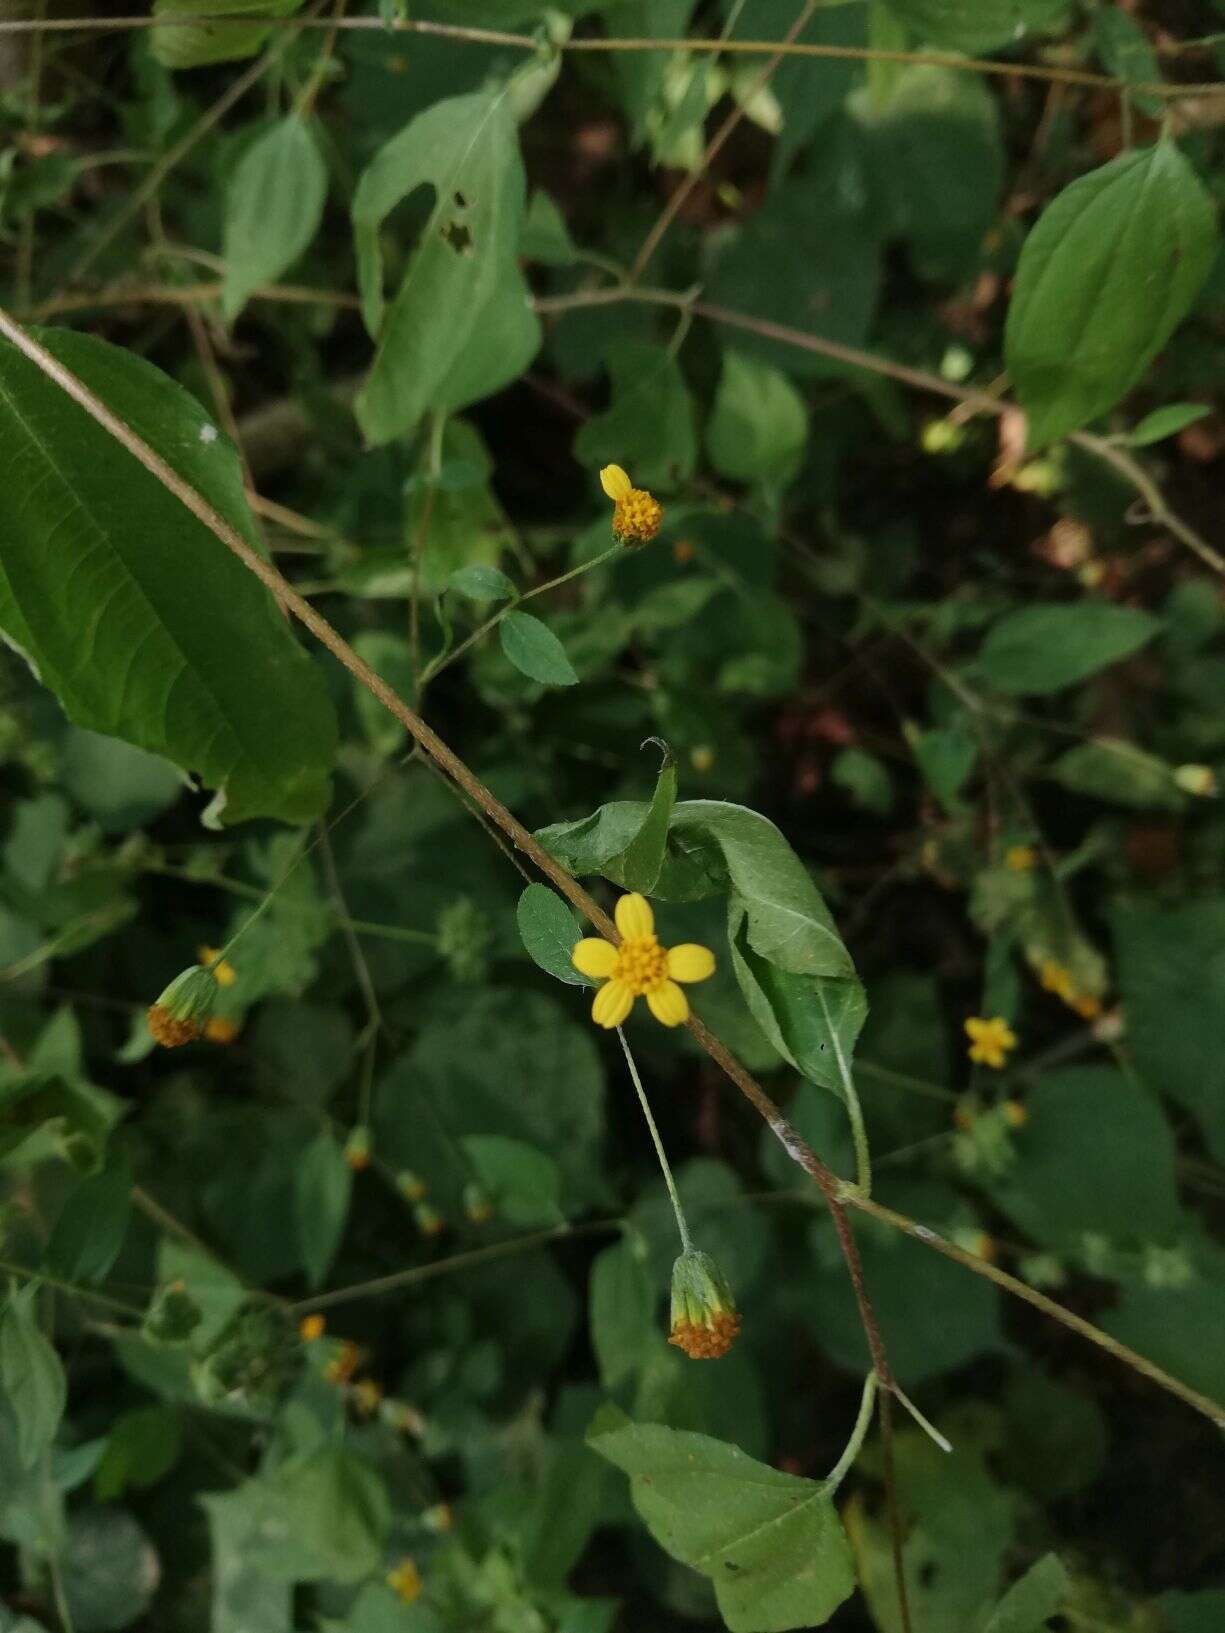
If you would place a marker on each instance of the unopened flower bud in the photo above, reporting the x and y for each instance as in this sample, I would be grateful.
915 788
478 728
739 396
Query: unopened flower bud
357 1148
1199 780
705 1321
410 1186
183 1009
477 1205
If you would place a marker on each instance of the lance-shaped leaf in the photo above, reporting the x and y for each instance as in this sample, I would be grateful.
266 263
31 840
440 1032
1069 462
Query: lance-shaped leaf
141 622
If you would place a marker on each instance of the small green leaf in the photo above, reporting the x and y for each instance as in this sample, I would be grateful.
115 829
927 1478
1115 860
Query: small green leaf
1043 649
771 1543
1030 1603
1166 422
535 651
550 931
143 1445
642 860
192 660
1108 768
31 1377
522 1183
273 207
1125 52
759 424
946 756
1104 279
322 1185
546 238
481 584
91 1227
649 426
194 44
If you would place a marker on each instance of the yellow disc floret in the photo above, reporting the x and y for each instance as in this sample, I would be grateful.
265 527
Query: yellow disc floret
990 1040
640 968
636 513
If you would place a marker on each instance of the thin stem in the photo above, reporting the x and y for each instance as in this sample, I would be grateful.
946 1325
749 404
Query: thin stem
837 1196
587 44
927 1426
445 659
686 1242
71 1289
859 1434
61 1598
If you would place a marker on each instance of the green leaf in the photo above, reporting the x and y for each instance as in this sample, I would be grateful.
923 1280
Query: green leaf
759 423
244 1599
535 651
550 931
322 1185
865 778
977 25
461 325
142 1447
91 1227
771 1543
1104 279
31 1377
521 1182
621 1307
192 659
1166 422
110 1571
1127 1193
318 1518
1167 1325
1108 768
1172 980
786 920
649 426
391 657
194 44
273 207
1037 650
120 786
642 860
946 756
481 584
1030 1603
546 238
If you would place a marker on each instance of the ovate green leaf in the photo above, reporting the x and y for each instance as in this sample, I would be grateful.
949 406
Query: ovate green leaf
1104 279
1030 1603
191 45
535 651
771 1543
273 207
142 623
649 426
621 1304
642 860
522 1183
759 425
323 1182
461 325
1043 649
90 1229
550 930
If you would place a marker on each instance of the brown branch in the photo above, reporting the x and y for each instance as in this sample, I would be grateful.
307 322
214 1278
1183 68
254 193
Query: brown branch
837 1193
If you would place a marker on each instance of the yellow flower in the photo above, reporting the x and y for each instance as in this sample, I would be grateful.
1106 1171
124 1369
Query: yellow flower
640 968
705 1321
221 1029
990 1040
344 1364
1020 858
405 1581
224 973
366 1395
311 1327
1015 1114
1056 979
637 513
183 1008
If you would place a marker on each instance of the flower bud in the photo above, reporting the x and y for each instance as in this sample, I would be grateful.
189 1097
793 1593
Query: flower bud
705 1321
357 1149
182 1010
1198 780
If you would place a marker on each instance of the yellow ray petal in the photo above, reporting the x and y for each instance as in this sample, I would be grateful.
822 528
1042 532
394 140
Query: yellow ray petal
668 1004
612 1004
595 958
690 962
615 482
634 916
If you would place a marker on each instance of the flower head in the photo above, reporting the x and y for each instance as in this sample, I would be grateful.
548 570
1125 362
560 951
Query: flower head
311 1327
1055 978
181 1011
990 1040
357 1149
705 1321
640 968
405 1581
343 1364
1020 858
211 958
637 513
366 1395
221 1029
